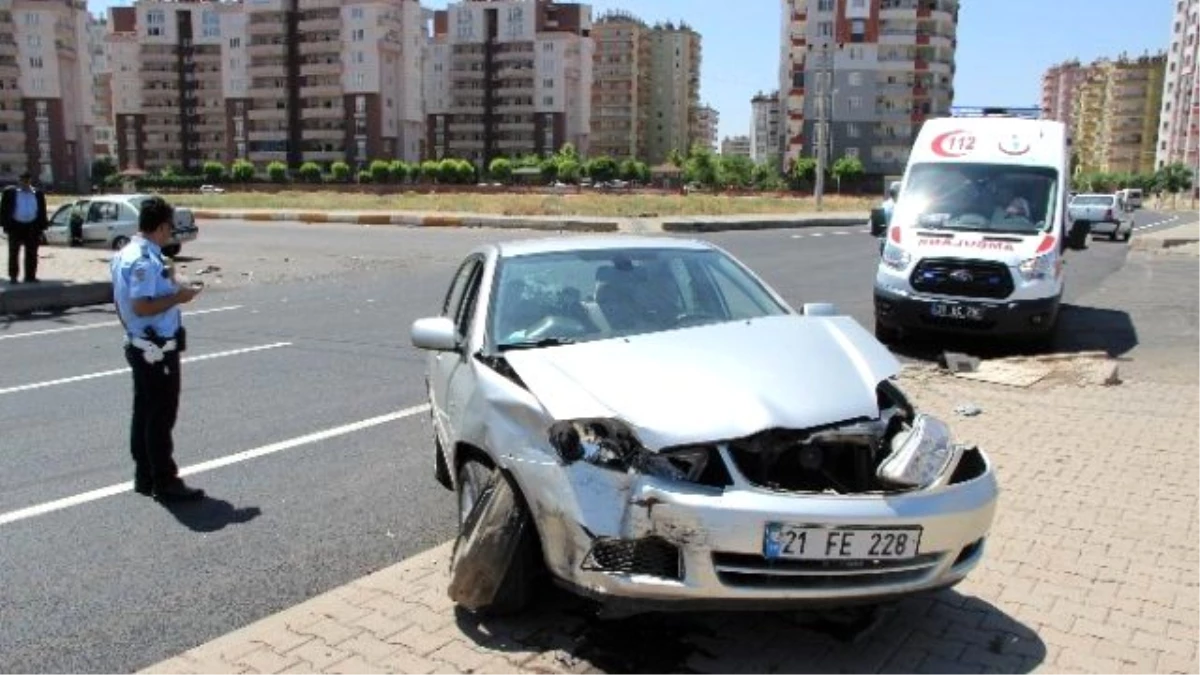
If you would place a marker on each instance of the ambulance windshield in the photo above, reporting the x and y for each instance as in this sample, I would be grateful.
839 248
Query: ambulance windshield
1001 198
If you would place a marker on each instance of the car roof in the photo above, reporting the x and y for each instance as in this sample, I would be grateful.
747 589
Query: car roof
523 247
1094 194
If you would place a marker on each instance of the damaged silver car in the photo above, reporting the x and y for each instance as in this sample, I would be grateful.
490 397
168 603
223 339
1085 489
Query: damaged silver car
649 423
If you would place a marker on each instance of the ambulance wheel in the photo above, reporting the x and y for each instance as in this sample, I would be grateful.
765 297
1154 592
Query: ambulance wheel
886 334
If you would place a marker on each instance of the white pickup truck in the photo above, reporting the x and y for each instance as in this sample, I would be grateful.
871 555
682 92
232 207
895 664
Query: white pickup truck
1104 213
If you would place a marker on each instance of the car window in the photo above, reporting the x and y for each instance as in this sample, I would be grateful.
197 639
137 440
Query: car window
458 287
128 213
598 294
466 310
62 216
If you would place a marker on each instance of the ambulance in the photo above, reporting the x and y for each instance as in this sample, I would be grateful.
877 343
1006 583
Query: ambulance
977 237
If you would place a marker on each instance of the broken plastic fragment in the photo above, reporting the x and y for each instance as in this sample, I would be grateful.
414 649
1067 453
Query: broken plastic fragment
968 410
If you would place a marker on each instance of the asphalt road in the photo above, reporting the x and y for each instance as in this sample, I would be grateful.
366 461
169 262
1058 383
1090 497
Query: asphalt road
314 477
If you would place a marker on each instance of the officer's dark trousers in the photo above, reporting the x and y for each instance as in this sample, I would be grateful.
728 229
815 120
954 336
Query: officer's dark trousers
29 237
155 404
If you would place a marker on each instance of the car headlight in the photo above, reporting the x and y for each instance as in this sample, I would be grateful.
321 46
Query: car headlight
895 257
611 444
919 455
1044 266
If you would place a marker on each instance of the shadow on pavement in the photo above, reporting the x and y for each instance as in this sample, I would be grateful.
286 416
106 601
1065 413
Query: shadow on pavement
210 514
1080 329
943 632
63 316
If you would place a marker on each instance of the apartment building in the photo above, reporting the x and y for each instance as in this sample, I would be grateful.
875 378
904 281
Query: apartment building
1116 114
675 55
45 117
708 121
766 127
621 85
1059 87
100 80
1179 117
736 146
272 80
859 77
508 78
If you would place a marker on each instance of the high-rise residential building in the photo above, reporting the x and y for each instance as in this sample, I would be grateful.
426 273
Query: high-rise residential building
621 86
1059 84
1179 118
1116 115
508 78
736 146
100 72
860 76
45 111
708 121
276 80
674 90
766 126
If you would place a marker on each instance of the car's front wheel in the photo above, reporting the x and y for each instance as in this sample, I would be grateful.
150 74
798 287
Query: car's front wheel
119 243
514 591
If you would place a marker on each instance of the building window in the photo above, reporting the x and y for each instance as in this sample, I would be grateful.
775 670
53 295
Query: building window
825 5
855 79
360 79
35 62
356 13
548 100
358 34
825 29
32 18
235 43
34 41
858 26
548 83
547 46
359 57
854 102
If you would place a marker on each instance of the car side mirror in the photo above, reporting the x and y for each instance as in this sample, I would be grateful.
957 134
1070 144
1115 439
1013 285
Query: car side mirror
820 309
436 334
878 222
1077 238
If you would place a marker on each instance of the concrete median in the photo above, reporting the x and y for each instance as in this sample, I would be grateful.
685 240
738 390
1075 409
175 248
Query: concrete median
546 223
48 296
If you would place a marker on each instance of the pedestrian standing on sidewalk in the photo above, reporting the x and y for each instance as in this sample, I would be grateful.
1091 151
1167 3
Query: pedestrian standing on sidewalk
147 300
23 218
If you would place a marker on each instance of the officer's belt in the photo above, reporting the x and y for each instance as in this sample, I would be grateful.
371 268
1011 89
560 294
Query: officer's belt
153 353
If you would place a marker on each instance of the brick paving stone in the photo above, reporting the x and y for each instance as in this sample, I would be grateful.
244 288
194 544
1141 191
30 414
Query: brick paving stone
1092 565
267 660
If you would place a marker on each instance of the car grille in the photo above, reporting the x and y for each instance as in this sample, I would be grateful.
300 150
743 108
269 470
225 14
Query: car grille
652 556
962 278
756 571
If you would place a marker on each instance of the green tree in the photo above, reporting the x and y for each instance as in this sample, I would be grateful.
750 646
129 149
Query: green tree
602 169
429 170
365 176
310 172
501 169
549 167
703 166
847 169
804 170
380 170
1174 179
568 151
766 176
676 158
242 171
340 171
570 170
736 171
399 171
213 171
102 168
277 172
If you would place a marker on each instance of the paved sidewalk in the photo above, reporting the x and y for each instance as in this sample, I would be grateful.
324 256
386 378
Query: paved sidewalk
1092 567
70 277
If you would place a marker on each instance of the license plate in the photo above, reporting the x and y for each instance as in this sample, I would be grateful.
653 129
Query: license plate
946 310
806 542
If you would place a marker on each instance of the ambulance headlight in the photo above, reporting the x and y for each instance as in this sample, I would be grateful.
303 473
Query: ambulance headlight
896 257
1044 266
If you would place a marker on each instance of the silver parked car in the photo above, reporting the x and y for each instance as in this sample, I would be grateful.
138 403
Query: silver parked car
665 431
112 220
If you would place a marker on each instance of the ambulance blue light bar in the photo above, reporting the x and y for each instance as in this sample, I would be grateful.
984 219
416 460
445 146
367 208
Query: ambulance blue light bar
996 111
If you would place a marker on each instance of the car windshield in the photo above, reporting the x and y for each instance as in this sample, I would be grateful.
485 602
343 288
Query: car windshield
1093 200
576 296
978 197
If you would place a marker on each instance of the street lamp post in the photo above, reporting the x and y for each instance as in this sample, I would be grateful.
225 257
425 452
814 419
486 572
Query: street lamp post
822 132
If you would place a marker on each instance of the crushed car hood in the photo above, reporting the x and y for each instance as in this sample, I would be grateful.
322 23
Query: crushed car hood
715 382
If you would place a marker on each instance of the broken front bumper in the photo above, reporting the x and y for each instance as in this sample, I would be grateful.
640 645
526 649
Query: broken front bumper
622 537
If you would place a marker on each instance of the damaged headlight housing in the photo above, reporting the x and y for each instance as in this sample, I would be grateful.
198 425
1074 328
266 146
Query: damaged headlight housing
920 454
611 444
1044 266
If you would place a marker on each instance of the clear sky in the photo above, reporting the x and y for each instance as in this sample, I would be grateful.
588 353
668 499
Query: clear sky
1003 45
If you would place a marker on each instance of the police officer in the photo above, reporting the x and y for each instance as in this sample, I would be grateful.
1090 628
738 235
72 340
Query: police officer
147 300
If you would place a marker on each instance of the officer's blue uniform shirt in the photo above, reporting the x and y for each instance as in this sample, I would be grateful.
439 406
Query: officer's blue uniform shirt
138 271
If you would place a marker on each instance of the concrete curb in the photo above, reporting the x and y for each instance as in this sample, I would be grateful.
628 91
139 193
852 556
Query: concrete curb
1176 235
544 223
54 295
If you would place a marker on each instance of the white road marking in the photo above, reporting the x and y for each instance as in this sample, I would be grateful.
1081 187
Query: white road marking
106 324
1156 224
308 439
118 371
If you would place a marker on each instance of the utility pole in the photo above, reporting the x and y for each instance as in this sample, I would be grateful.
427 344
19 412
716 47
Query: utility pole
824 80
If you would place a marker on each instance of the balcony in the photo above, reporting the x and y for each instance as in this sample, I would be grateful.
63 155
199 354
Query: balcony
267 70
320 112
336 135
270 135
271 93
306 5
313 47
264 27
278 49
322 91
309 69
323 25
8 49
261 114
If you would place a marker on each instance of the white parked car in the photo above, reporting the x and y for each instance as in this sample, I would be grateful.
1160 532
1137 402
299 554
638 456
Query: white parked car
653 425
1104 212
112 220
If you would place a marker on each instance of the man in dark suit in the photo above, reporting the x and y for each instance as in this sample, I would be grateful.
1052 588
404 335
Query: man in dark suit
23 218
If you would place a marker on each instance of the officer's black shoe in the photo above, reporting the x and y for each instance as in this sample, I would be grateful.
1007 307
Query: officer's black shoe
145 488
178 492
